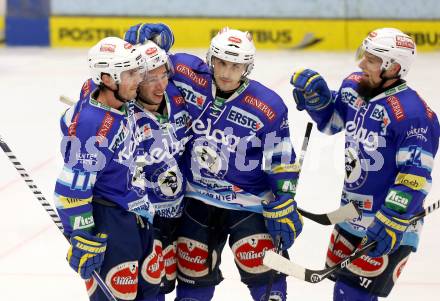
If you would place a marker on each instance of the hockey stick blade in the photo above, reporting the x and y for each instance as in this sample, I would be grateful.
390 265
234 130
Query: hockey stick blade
277 262
344 213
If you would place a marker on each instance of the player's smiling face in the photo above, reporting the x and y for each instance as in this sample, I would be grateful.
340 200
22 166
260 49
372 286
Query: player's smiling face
152 88
227 75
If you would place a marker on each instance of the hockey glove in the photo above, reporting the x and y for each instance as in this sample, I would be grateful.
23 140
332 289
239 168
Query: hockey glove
310 90
159 33
387 230
86 252
283 220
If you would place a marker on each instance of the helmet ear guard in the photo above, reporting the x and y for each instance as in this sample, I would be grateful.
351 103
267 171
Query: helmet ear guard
392 46
113 56
233 46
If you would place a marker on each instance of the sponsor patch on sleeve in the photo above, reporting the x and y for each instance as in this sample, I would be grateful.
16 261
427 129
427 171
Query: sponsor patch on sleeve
411 181
67 202
260 105
287 186
82 221
106 124
396 107
398 200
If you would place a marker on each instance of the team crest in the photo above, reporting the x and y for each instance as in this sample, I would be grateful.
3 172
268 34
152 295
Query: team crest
210 162
355 168
169 181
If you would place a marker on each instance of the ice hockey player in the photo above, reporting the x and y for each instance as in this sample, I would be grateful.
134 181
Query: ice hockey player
240 154
154 138
391 138
161 127
107 224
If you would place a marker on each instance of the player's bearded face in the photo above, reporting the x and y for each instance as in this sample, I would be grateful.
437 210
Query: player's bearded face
371 69
371 74
152 88
130 80
227 75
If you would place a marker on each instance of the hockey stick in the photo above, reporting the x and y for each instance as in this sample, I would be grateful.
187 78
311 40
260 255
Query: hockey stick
285 266
347 212
344 213
278 238
46 205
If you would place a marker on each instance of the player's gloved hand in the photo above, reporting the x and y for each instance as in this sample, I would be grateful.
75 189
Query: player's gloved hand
86 252
310 90
159 33
283 220
387 230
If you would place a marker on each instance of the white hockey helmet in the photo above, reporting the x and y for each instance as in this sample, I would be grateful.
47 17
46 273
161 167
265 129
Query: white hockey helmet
392 46
233 46
113 56
155 56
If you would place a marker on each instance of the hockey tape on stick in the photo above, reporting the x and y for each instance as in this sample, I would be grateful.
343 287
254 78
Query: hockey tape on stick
66 100
279 263
46 205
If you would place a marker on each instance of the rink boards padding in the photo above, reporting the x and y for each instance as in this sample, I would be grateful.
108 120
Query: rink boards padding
309 34
270 34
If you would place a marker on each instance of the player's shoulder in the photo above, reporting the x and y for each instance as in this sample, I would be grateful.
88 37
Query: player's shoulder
87 88
262 101
190 70
181 61
353 79
93 119
267 95
408 105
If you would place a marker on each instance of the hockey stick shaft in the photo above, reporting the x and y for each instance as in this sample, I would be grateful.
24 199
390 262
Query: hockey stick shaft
279 263
47 206
278 238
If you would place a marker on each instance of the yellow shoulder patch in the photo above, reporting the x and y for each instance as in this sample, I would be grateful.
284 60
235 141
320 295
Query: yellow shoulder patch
412 181
286 168
67 202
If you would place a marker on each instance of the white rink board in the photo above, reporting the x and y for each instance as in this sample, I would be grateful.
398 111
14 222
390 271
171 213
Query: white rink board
32 252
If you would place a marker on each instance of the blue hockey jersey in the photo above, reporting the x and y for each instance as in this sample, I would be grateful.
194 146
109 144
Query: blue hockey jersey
158 155
240 151
390 144
102 148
